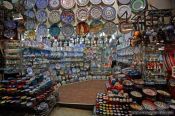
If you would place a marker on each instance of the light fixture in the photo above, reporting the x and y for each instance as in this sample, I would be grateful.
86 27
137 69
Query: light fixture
17 16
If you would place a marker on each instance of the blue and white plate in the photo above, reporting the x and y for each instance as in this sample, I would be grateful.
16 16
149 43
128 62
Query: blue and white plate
30 24
67 30
9 33
41 4
109 13
29 13
54 4
41 15
10 24
42 29
29 4
54 16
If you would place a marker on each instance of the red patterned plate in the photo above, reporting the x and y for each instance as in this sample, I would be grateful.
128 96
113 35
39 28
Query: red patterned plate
82 28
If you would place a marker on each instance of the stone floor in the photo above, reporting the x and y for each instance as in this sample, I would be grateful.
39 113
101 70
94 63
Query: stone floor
81 92
63 111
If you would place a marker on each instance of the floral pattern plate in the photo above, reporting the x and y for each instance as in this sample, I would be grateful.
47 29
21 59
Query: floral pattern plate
67 30
82 14
29 4
41 15
109 13
41 4
54 16
67 4
30 24
82 2
95 2
10 24
9 33
54 4
96 12
96 26
138 5
42 29
110 28
29 13
67 16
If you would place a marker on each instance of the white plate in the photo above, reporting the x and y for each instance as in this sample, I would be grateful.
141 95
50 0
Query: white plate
108 2
95 2
67 4
124 1
124 12
82 14
82 2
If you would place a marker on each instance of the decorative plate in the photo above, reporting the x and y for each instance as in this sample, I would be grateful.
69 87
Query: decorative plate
30 24
125 27
82 14
124 12
96 26
161 105
54 30
110 28
41 4
29 13
7 5
148 105
163 93
96 12
136 106
82 2
138 5
9 33
109 13
29 4
67 16
29 71
124 1
54 4
41 15
150 92
95 2
136 94
42 29
54 16
67 30
31 34
67 4
108 2
10 24
82 28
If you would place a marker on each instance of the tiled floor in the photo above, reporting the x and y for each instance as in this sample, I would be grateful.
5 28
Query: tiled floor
63 111
82 92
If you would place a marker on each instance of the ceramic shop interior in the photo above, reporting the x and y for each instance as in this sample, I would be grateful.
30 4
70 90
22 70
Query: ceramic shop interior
87 57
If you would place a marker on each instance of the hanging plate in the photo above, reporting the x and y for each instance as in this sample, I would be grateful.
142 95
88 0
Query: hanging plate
41 4
124 1
110 28
29 13
42 29
9 33
82 14
67 4
14 1
67 16
30 24
124 12
54 16
41 15
10 24
29 4
82 28
82 2
126 27
7 5
95 2
54 30
67 30
96 12
54 4
31 34
138 5
108 2
109 13
96 26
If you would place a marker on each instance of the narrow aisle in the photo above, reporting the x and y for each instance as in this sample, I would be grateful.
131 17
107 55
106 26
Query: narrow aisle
64 111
